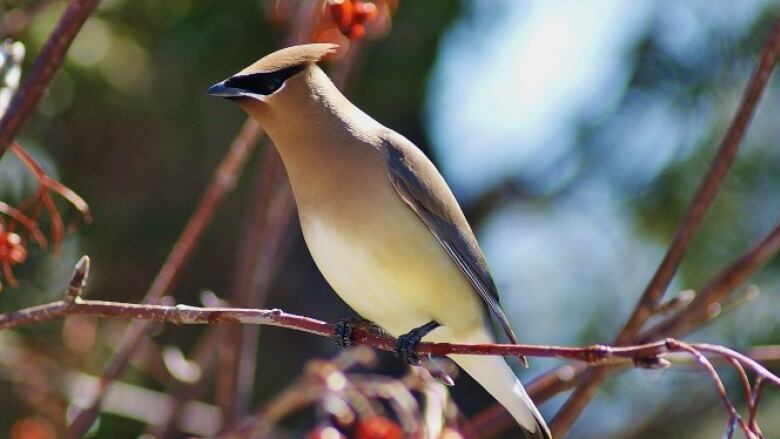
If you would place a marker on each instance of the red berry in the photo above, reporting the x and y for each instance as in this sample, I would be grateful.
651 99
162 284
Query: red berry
449 433
378 427
325 433
356 31
340 11
365 12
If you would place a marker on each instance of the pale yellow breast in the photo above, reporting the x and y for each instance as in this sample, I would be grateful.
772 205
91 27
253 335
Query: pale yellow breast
385 263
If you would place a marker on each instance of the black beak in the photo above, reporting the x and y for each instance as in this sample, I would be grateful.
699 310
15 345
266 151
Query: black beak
223 91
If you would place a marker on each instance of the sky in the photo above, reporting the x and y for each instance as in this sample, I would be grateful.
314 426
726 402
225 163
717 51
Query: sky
516 77
515 82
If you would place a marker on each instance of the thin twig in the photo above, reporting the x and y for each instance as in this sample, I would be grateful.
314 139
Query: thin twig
222 183
78 281
258 255
650 355
46 65
707 365
644 356
562 378
758 386
743 378
717 290
708 188
261 239
693 316
698 207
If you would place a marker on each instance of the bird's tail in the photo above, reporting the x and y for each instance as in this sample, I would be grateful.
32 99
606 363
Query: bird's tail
495 375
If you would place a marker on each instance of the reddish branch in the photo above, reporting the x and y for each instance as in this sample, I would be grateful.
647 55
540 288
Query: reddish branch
685 319
708 188
43 196
698 207
644 355
649 355
693 316
260 252
223 182
260 249
46 65
717 290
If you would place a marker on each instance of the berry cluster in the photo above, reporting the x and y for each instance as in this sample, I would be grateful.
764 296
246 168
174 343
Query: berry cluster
12 252
374 427
22 226
350 16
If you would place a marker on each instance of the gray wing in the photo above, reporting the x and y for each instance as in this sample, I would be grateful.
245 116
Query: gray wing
421 187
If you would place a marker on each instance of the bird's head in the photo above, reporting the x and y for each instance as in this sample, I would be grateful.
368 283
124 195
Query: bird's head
272 81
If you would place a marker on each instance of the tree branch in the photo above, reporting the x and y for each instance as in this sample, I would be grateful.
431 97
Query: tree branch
717 290
259 254
694 315
267 222
648 355
708 188
46 65
221 184
698 207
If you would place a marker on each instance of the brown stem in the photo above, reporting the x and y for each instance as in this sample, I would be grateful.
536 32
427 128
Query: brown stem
644 355
46 65
708 188
717 290
257 255
181 314
260 245
649 355
758 386
222 183
710 369
698 207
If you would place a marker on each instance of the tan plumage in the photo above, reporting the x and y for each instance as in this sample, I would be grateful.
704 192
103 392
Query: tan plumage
380 221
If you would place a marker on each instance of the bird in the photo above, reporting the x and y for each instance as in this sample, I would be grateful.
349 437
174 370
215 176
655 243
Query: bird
379 220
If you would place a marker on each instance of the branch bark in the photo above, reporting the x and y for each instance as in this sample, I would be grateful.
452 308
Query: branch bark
46 65
259 254
708 189
649 355
267 222
222 183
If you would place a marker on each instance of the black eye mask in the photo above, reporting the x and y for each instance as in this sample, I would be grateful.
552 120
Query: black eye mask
263 83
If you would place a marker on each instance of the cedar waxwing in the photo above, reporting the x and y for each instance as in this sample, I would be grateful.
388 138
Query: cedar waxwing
379 220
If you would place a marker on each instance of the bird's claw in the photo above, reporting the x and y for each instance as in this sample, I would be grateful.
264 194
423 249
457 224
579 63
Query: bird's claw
342 335
406 344
345 328
405 347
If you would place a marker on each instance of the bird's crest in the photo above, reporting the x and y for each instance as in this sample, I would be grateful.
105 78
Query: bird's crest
290 57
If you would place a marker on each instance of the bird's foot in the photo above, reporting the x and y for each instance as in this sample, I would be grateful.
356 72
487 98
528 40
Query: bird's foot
406 344
440 369
342 335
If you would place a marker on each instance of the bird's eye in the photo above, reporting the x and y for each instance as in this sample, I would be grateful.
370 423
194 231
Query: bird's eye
271 85
263 83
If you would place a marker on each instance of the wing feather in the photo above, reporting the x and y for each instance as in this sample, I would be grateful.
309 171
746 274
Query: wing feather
422 188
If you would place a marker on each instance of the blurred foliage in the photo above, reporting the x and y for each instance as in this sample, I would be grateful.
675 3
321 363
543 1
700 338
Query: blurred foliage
126 123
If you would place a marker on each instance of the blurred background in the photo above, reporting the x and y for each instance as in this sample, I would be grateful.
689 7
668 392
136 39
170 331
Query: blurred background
573 133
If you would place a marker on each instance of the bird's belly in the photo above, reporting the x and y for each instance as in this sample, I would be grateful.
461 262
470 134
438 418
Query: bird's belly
397 276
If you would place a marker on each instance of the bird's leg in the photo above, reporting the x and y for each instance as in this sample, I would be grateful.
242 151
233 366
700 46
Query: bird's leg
406 343
342 335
